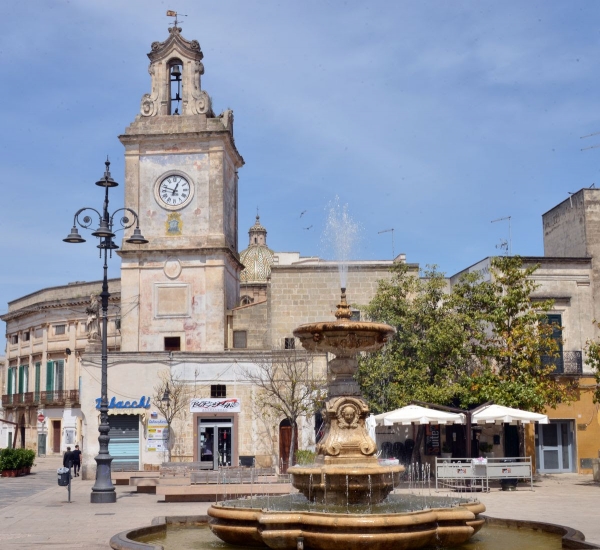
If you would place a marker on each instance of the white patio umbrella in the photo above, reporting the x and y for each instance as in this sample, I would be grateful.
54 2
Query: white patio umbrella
498 414
415 414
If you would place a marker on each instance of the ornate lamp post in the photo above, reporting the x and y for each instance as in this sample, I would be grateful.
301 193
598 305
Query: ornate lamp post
103 490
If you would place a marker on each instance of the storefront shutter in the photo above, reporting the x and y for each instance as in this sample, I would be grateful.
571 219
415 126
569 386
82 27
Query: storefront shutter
49 376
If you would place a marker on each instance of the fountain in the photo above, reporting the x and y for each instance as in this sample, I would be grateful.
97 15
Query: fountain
346 503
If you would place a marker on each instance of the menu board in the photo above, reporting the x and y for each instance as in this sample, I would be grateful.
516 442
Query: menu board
432 440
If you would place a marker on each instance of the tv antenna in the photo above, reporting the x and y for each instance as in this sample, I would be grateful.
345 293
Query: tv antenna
504 244
392 232
171 13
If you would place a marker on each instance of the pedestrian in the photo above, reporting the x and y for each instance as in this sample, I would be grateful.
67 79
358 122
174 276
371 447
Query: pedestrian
76 461
68 459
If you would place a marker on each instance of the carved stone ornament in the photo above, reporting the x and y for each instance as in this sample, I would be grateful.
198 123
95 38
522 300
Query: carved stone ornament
346 434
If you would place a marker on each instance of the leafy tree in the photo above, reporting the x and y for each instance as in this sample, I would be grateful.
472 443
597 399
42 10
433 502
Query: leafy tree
475 342
592 349
288 386
171 398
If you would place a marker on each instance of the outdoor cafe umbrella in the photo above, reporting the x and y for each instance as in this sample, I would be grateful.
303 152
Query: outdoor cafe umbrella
498 414
415 414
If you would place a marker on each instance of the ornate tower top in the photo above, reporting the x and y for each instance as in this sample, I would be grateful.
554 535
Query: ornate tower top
176 67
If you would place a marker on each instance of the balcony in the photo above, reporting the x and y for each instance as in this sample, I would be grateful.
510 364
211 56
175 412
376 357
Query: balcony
567 363
58 397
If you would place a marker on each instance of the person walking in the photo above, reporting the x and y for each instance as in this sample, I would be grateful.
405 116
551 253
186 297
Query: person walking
76 461
68 458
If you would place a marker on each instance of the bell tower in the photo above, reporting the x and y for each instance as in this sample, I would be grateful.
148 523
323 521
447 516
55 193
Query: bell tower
181 167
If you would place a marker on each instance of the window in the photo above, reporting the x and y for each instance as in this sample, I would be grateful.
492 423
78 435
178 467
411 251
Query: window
14 339
289 343
239 339
246 300
23 378
11 383
355 315
55 375
218 390
38 368
172 343
26 336
557 359
59 329
118 323
38 333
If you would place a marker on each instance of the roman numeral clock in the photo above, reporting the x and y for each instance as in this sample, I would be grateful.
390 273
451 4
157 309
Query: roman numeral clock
173 190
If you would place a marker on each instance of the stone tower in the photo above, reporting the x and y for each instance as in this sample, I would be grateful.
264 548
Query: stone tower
181 167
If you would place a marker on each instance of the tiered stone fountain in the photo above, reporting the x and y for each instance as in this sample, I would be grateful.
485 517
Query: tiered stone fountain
346 489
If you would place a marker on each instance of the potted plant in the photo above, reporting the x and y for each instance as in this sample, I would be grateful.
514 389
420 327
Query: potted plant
486 449
446 450
10 462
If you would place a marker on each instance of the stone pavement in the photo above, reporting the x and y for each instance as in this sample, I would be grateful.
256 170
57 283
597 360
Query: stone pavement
34 511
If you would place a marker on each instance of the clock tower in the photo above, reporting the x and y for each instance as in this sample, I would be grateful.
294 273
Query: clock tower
181 167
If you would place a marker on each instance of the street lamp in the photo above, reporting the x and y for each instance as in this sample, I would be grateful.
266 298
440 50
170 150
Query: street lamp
103 490
166 400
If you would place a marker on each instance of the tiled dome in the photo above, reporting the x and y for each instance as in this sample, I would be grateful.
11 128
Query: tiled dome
258 257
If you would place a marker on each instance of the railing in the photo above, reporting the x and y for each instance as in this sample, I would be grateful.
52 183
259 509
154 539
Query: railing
45 397
567 362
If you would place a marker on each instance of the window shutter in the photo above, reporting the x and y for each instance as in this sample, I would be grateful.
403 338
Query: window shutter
37 377
60 371
49 376
21 378
9 382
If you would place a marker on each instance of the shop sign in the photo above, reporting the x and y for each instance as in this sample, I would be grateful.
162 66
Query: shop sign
143 403
158 429
207 405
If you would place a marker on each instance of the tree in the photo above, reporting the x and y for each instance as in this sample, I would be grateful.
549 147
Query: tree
474 342
288 386
592 352
171 398
514 369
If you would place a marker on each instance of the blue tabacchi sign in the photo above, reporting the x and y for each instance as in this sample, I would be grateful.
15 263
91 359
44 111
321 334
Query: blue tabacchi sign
143 403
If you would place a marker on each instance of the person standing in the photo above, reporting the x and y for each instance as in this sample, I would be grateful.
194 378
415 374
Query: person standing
76 460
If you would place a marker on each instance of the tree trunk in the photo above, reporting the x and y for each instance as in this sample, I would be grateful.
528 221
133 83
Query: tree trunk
292 450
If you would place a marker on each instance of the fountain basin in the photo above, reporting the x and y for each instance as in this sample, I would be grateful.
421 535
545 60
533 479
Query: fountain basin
340 484
325 531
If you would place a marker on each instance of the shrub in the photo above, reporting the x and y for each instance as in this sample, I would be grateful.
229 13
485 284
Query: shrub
9 459
304 456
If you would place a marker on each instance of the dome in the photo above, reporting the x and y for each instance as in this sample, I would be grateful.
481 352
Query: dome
258 257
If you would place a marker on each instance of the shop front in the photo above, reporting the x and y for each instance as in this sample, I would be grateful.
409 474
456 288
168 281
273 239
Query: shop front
216 431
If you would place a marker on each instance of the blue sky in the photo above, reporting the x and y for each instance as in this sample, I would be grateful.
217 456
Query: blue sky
432 117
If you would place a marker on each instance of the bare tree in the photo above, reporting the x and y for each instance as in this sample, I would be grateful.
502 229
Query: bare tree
171 397
288 386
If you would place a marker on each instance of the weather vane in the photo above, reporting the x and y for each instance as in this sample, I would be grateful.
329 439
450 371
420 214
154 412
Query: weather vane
171 13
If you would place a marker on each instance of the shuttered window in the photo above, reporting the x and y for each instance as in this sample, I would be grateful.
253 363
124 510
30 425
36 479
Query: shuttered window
49 376
38 368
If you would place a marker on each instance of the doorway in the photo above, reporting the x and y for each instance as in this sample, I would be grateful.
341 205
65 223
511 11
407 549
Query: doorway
285 440
56 436
22 431
215 442
554 448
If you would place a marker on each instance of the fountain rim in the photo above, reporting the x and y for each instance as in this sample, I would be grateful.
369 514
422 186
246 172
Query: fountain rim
343 325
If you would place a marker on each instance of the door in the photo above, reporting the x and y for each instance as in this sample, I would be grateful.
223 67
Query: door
56 436
285 440
215 442
554 446
124 444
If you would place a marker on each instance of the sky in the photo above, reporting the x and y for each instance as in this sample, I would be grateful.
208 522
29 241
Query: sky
431 118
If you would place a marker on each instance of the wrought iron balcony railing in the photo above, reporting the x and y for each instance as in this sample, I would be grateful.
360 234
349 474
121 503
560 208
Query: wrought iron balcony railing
567 362
44 397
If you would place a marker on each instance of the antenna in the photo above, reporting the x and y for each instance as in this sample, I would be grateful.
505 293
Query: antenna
592 146
171 13
388 231
503 243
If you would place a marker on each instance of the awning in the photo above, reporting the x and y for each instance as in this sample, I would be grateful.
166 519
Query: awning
415 414
497 414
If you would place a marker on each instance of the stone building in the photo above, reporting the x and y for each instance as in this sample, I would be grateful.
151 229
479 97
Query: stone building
188 303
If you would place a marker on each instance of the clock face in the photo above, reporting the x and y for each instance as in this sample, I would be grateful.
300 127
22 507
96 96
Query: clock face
174 191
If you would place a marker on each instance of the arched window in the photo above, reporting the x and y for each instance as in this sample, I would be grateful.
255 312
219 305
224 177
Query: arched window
245 300
175 70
